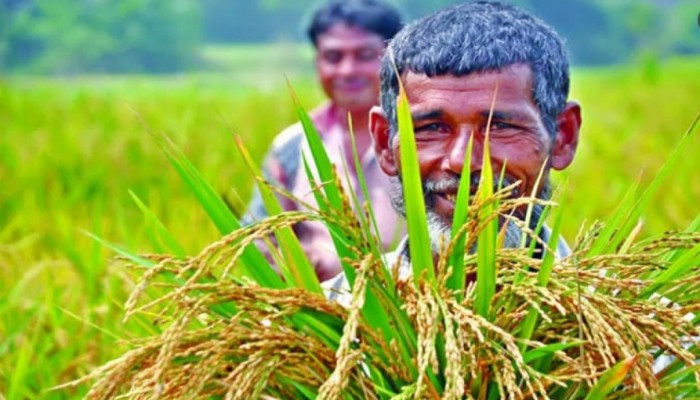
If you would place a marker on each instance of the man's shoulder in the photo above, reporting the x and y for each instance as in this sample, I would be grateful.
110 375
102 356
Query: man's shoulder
292 135
289 135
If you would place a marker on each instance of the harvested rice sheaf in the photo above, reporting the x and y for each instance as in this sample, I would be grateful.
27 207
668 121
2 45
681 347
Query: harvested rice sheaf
226 336
617 318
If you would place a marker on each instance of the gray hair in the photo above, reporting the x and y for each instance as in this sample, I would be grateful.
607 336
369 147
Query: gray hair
480 37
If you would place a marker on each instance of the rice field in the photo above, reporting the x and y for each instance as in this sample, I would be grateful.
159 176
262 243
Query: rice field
75 153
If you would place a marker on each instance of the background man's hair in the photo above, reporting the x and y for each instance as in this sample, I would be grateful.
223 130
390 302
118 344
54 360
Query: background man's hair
370 15
479 37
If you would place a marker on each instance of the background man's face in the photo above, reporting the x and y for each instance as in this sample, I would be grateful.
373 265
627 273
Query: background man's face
448 110
347 63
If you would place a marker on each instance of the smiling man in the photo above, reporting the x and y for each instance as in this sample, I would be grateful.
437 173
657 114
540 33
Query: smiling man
350 37
451 64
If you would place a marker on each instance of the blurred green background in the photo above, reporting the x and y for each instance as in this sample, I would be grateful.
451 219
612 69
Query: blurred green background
83 82
78 36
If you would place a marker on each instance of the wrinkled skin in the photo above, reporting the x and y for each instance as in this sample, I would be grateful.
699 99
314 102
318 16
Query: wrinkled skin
447 110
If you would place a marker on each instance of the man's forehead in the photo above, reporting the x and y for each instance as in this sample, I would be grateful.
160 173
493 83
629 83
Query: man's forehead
342 35
519 74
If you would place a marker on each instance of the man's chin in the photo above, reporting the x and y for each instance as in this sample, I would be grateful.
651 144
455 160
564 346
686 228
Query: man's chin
440 226
353 103
440 233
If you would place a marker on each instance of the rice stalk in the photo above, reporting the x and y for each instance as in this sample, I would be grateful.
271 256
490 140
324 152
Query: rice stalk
604 315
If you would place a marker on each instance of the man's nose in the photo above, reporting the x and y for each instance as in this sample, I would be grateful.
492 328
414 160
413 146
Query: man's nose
456 155
347 66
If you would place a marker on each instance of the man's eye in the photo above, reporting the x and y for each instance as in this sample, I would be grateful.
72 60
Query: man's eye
333 56
432 127
432 131
367 55
498 125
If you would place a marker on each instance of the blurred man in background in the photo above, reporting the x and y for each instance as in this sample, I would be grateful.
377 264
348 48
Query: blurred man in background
350 37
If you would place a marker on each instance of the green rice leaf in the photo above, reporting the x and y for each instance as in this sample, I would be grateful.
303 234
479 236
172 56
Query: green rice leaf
376 315
323 164
486 243
613 222
123 252
297 269
611 379
689 260
538 230
418 237
211 202
693 227
680 374
623 229
543 275
545 271
531 206
370 228
252 259
308 393
328 199
160 234
539 352
336 232
457 280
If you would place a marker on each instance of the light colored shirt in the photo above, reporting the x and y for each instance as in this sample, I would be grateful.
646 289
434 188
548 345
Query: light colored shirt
283 166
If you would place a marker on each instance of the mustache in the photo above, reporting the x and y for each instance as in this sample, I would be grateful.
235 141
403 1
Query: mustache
451 184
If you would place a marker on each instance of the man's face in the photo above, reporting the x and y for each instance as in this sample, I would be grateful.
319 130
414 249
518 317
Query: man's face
448 110
347 63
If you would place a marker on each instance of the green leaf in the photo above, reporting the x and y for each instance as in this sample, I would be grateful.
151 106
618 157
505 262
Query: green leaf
305 391
676 270
123 252
297 269
373 311
457 280
680 374
543 275
418 237
539 352
323 164
370 226
550 254
486 243
253 261
161 233
611 379
621 229
600 245
211 202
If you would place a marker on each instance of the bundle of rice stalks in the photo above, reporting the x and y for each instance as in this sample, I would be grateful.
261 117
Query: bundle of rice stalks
615 319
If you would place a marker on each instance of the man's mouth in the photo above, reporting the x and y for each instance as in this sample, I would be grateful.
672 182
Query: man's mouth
450 193
351 85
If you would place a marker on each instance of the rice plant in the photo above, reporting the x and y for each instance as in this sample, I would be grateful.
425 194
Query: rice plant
495 323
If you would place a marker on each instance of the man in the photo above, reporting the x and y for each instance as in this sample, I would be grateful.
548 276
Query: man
350 37
451 64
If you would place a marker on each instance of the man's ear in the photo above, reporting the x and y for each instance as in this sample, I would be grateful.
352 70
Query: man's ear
566 141
380 130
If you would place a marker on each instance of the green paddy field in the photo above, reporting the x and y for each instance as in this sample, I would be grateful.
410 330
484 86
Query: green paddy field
75 152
